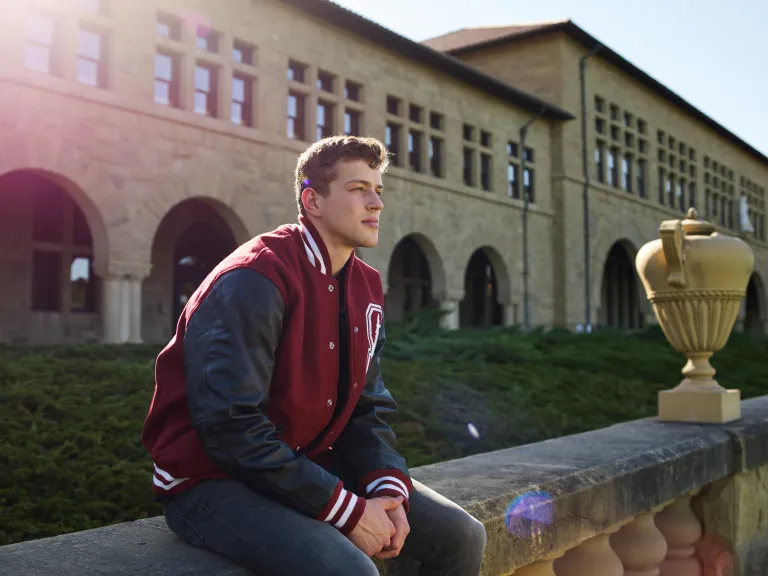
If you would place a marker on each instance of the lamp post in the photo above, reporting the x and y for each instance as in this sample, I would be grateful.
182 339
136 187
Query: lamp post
585 195
526 201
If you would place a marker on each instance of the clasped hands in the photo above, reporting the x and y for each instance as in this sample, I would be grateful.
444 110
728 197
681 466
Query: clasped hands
382 529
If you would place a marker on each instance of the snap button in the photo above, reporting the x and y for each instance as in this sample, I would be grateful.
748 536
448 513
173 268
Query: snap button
330 287
298 447
330 403
332 345
330 447
355 329
354 385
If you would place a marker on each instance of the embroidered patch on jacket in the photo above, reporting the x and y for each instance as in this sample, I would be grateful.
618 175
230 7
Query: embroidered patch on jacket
373 319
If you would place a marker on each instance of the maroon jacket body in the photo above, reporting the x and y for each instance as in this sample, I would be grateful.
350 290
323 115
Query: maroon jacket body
249 386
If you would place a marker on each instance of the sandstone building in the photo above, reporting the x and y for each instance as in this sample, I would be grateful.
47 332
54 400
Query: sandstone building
142 141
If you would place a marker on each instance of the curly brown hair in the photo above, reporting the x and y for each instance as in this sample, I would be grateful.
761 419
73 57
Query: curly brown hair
316 167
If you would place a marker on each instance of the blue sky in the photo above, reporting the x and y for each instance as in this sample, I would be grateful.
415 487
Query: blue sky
713 54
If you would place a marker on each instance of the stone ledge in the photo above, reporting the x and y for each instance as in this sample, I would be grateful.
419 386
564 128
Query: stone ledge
596 480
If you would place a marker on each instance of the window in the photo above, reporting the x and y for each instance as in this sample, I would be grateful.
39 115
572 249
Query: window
392 142
469 158
485 138
325 81
513 189
296 116
512 149
641 178
352 123
599 104
435 121
167 79
414 150
393 105
485 171
613 169
415 113
91 60
435 156
168 27
528 184
599 168
626 173
528 154
242 52
324 120
296 72
207 40
353 91
205 90
62 251
242 100
40 44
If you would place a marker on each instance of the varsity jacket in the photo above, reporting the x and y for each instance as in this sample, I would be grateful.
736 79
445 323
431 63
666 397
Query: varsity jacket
248 386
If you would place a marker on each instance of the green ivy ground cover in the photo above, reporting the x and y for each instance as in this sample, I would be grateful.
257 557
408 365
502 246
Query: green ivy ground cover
71 417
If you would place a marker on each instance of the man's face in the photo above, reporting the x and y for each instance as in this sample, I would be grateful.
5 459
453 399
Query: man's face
349 213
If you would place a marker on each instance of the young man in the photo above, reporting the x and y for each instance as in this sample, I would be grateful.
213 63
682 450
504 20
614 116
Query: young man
267 428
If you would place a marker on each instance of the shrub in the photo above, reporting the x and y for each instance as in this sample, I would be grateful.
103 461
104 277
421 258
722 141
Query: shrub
70 417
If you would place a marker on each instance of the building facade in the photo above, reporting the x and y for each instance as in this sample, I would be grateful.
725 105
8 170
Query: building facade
140 142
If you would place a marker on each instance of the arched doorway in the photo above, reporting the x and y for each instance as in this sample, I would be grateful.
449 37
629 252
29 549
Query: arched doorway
410 280
753 319
198 250
48 290
480 306
191 239
620 307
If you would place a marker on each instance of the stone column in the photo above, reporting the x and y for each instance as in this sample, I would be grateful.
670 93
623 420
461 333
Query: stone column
135 307
449 302
121 302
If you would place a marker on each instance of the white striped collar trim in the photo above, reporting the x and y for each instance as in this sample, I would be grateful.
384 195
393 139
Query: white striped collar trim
312 250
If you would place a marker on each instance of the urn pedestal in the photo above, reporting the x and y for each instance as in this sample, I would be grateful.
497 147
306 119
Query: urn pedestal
695 278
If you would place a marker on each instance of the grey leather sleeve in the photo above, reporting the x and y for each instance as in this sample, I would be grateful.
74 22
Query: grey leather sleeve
229 355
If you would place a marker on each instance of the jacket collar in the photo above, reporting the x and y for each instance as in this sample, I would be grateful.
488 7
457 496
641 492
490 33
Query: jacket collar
315 248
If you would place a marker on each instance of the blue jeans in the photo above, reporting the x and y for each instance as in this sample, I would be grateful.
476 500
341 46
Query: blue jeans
272 540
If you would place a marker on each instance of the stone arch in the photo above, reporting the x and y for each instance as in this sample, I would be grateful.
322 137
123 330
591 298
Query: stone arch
52 238
97 193
487 289
84 202
415 276
621 300
192 237
200 182
755 305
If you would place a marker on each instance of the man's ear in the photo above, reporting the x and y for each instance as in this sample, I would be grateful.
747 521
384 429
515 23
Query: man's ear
309 197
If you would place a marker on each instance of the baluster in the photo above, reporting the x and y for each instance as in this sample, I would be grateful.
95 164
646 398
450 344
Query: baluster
591 558
640 546
682 530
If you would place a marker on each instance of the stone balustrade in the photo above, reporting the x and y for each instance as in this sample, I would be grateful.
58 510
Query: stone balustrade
641 498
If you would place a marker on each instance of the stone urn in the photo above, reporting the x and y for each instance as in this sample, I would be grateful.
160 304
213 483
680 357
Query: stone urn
696 278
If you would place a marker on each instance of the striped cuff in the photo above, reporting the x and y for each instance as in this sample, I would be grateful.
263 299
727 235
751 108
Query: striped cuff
343 510
387 482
